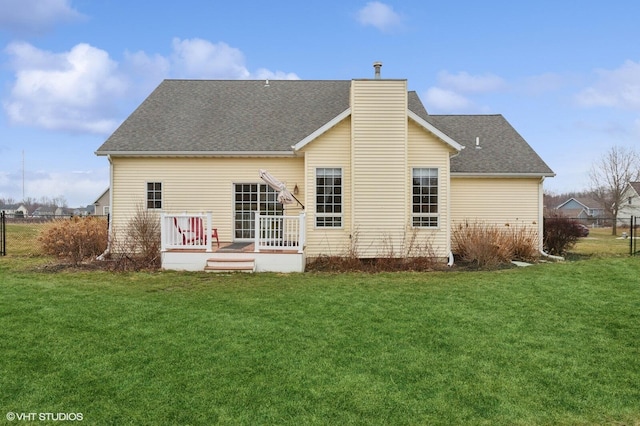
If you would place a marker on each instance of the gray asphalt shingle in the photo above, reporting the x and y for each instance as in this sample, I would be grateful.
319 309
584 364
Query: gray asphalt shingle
209 116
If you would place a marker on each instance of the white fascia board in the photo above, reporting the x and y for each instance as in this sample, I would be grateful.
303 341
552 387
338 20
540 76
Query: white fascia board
501 175
196 153
337 119
431 128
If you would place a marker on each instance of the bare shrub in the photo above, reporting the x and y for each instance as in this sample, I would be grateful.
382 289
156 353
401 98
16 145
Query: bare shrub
481 243
138 247
413 255
524 243
75 239
560 234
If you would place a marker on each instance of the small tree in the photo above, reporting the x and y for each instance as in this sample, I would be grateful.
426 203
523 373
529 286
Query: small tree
609 176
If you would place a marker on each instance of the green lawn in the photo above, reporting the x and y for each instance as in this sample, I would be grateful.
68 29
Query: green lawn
546 344
600 243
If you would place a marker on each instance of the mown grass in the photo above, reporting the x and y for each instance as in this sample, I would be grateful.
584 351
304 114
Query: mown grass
546 344
600 243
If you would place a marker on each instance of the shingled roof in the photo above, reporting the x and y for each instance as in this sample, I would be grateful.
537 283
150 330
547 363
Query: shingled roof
492 146
200 117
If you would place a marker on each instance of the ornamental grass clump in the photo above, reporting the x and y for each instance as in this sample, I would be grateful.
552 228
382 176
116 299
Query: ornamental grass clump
485 245
75 239
490 245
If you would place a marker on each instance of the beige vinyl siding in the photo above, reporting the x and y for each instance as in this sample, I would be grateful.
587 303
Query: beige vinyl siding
379 164
332 149
196 185
427 151
500 201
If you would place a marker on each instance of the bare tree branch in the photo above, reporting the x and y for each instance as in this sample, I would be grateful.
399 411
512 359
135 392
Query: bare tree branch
610 175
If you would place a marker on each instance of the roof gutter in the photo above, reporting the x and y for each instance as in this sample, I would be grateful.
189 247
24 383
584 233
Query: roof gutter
500 175
196 153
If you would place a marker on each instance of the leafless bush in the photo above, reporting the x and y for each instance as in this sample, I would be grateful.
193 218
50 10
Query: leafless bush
524 243
560 234
75 239
483 244
411 255
138 247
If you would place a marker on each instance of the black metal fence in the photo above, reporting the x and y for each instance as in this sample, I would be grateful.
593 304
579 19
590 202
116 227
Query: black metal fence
3 235
634 235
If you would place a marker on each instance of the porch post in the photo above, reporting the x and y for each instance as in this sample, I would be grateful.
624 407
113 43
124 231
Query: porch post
302 234
256 233
209 233
163 232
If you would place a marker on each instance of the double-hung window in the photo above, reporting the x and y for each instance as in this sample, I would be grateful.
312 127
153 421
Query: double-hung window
328 197
154 195
425 198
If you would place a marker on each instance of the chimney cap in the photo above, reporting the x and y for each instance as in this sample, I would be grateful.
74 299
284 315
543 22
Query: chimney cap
377 65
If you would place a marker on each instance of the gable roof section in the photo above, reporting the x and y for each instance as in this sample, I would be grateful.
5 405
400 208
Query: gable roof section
258 117
584 202
227 116
501 150
635 186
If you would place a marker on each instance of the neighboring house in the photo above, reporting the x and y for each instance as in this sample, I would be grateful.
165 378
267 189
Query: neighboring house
80 211
372 168
102 204
14 210
630 201
581 208
48 212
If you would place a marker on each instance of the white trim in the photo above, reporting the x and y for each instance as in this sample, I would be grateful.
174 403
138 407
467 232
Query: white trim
333 122
431 128
196 153
500 175
438 205
317 215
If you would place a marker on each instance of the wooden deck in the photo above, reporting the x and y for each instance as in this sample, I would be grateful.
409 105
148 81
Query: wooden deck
228 256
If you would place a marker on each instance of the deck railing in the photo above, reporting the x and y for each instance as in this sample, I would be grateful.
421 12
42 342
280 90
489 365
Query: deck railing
194 231
186 231
275 232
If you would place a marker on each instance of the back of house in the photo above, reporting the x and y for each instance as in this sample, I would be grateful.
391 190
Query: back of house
375 174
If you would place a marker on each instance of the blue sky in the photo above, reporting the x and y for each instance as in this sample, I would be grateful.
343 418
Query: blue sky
566 74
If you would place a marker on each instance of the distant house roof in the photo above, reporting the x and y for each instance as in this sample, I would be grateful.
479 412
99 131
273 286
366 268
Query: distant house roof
635 186
586 202
9 207
218 117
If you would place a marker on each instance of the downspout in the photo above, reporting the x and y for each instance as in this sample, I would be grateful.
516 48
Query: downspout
451 259
107 252
541 224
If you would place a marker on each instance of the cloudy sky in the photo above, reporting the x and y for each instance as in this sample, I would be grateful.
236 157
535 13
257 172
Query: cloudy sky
565 74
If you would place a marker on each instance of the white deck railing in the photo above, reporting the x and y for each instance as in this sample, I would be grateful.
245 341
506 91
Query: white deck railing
186 231
280 232
194 231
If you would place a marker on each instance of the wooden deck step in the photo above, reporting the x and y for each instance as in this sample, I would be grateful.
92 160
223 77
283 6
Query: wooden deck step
231 264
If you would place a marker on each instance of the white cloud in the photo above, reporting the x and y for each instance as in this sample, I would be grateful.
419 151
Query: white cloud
380 16
543 83
197 58
618 88
35 16
79 189
467 83
72 91
82 90
453 90
445 100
